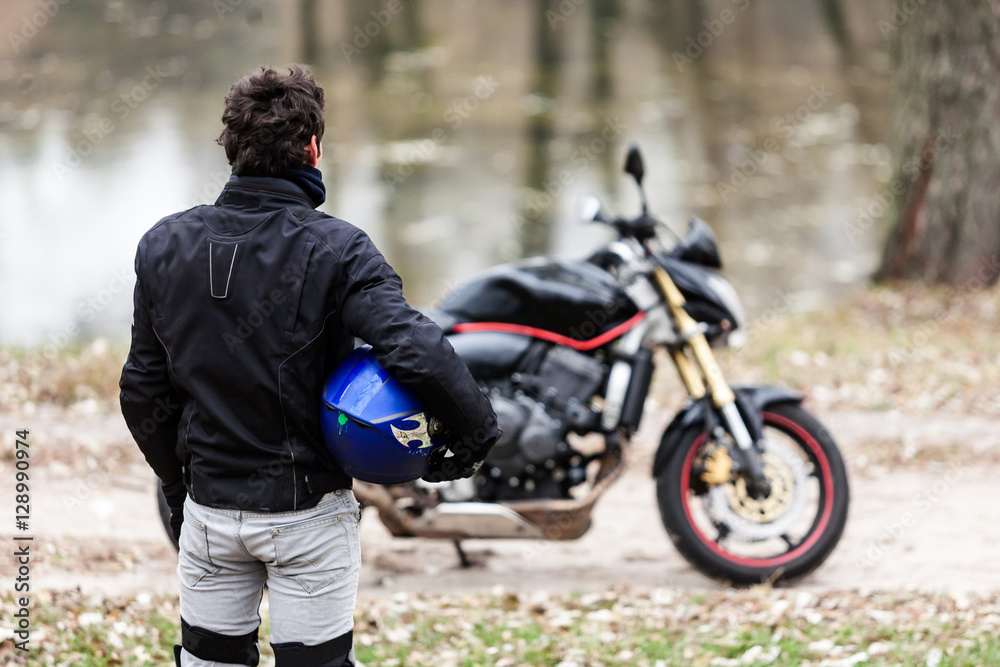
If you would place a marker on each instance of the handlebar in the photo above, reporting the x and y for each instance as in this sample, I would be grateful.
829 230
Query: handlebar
641 228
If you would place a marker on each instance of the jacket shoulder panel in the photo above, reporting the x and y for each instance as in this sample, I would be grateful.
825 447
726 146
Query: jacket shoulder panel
338 236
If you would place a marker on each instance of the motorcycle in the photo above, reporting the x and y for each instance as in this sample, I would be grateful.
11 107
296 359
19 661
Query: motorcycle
750 486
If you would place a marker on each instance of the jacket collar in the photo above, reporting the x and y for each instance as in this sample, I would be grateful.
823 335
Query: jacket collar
266 191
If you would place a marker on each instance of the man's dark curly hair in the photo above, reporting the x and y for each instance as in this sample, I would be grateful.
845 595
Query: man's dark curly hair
270 118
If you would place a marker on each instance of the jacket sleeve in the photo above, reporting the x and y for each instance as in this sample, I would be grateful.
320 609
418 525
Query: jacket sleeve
150 403
414 348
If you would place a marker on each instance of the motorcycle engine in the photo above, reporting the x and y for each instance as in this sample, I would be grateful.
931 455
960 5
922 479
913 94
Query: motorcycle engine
536 411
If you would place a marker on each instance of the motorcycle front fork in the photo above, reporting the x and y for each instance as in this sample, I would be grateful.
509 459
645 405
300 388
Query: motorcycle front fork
703 376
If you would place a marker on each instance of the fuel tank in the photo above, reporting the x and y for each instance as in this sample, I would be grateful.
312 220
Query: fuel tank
490 354
573 299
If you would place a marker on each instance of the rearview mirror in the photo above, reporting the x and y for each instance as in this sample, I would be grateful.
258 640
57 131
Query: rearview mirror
590 209
633 164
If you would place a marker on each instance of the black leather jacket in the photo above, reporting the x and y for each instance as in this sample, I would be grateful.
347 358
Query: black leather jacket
241 310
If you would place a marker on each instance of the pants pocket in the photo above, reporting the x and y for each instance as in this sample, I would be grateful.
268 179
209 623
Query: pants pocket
315 552
195 561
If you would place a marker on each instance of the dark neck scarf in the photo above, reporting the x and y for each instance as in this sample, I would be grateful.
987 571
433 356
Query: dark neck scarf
310 179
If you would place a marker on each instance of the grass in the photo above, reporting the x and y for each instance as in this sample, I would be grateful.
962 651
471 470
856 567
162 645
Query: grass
757 626
914 349
62 376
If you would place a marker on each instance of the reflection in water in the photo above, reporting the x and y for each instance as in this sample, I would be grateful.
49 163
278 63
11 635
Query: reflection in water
309 22
603 14
459 134
535 221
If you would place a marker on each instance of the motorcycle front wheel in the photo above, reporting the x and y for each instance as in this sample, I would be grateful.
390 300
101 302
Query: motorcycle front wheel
726 533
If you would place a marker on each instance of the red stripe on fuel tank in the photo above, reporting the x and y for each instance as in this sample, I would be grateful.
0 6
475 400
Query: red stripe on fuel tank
583 345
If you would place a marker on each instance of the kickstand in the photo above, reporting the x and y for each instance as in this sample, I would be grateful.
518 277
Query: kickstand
462 556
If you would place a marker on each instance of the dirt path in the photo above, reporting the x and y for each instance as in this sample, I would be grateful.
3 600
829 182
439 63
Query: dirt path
923 514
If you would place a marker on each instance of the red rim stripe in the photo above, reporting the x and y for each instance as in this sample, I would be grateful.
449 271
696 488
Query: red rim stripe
817 532
584 345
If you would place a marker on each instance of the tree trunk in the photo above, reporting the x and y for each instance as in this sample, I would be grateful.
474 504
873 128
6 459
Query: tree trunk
946 143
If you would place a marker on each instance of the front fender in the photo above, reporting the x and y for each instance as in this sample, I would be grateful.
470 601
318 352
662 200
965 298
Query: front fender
753 397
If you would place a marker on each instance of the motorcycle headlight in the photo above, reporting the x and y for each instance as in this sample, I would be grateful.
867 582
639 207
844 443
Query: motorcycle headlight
737 335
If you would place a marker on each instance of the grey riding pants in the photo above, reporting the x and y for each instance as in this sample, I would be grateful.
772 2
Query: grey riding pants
310 560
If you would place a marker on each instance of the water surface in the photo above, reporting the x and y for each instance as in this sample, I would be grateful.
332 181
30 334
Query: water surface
460 134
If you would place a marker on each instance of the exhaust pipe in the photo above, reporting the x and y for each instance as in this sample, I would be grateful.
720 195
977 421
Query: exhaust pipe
549 519
472 520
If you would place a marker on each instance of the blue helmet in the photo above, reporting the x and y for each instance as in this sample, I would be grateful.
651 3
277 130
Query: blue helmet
375 427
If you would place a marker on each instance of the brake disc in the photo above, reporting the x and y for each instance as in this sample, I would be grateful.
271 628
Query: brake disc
753 520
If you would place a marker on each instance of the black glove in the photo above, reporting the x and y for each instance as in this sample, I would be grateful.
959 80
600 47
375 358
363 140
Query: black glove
444 468
460 458
175 494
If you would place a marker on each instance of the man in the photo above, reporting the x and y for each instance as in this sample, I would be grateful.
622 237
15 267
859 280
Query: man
241 310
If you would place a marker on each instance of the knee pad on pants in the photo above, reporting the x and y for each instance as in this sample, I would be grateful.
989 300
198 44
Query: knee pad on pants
208 645
333 653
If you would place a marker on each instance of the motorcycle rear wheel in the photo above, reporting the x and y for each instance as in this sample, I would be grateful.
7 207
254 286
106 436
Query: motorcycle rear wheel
726 534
